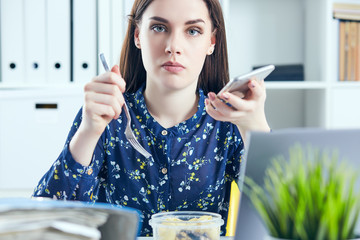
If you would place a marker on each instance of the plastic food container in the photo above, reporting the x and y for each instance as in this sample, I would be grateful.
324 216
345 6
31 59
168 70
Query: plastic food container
189 225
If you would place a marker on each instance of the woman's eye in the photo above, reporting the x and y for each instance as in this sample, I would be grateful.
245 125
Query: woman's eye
158 28
194 32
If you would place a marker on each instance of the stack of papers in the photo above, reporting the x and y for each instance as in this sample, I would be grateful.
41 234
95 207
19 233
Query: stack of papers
51 219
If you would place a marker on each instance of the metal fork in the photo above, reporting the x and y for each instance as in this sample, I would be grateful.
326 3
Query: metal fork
128 132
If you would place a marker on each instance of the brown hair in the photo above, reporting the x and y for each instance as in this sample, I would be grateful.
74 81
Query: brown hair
215 72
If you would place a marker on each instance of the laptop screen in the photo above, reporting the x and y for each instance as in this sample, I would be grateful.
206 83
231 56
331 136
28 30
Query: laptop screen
262 147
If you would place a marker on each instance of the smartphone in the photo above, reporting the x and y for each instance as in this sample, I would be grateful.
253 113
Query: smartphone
239 83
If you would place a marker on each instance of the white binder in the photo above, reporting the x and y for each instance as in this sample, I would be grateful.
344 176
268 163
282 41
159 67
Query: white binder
58 41
35 41
118 30
12 41
84 40
104 31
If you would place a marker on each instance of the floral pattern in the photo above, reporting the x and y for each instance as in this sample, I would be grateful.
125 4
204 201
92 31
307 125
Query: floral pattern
191 168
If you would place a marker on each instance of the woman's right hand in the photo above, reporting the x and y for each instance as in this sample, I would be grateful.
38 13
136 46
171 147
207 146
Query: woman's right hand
103 101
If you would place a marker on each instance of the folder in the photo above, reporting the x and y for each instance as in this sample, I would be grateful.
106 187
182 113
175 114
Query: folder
44 218
35 44
84 40
12 41
111 29
58 41
118 30
104 31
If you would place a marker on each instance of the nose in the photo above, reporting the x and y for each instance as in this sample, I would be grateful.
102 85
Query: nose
173 46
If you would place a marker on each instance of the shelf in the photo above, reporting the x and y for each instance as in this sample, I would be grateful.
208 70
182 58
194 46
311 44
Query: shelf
295 85
348 84
22 86
303 85
43 91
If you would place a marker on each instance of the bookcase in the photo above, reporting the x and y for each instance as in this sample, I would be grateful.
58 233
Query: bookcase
294 32
35 116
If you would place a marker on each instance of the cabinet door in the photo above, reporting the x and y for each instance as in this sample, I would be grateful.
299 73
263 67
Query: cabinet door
32 134
344 108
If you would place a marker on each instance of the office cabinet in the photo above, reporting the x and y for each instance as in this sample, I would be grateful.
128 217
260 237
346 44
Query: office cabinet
33 129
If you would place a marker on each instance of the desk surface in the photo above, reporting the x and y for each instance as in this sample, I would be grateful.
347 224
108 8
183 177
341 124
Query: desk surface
150 238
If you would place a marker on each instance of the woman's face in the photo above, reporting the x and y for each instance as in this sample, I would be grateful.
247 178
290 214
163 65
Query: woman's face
174 37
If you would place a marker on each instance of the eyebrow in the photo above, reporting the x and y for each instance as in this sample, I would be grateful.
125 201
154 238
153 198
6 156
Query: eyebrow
160 19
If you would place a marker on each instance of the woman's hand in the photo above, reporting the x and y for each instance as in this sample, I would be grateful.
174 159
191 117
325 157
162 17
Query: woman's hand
246 112
103 101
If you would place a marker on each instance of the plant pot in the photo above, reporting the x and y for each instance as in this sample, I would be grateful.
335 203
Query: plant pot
274 238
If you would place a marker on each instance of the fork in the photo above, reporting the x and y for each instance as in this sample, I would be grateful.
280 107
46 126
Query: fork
130 136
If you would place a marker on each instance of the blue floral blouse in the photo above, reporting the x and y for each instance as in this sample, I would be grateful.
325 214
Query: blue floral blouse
191 168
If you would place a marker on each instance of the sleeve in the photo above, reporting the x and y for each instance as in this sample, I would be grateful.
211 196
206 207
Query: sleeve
66 178
235 159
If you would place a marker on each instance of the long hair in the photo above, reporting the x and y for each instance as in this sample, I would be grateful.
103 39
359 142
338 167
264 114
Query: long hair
215 72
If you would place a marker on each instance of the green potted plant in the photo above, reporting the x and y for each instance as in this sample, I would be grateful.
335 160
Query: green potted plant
311 196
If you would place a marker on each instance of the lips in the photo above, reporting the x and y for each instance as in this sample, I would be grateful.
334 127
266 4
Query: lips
173 67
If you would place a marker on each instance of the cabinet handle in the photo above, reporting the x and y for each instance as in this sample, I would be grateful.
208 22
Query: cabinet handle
46 106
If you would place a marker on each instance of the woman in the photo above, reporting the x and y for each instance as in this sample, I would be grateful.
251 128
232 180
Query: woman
174 54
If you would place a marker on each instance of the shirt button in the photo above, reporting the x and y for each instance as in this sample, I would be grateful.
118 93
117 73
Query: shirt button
164 132
164 170
90 171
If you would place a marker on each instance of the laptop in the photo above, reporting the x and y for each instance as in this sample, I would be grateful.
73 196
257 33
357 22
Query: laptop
262 147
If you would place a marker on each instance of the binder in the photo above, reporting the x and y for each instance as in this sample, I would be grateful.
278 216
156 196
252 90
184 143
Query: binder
12 41
118 30
35 44
45 218
58 41
104 31
84 40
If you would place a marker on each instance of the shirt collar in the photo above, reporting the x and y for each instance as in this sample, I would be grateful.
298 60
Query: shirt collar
138 105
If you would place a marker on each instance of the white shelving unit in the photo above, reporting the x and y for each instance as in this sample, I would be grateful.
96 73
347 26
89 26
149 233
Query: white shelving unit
279 32
31 138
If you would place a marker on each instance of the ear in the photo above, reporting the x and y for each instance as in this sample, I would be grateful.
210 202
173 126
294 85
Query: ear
136 38
213 42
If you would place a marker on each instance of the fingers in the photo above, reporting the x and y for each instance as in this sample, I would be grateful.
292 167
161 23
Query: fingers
235 105
256 90
99 111
104 92
111 78
105 101
116 69
219 110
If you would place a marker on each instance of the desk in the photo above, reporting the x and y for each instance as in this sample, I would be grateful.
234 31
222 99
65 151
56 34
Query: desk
150 238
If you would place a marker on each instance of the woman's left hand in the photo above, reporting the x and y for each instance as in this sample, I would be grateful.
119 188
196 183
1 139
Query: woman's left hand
246 112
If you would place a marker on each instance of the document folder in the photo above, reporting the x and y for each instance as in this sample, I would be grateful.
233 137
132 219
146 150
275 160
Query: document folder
12 41
104 31
84 40
58 41
44 218
35 41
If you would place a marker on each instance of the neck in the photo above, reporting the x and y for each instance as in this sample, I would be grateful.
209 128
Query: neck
169 108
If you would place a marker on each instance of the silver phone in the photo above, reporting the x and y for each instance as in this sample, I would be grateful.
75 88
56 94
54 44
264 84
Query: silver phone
240 82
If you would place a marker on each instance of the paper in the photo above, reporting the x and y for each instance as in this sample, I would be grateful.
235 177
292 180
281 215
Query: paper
48 219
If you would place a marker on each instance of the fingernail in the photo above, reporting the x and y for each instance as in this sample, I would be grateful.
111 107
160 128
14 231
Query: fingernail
252 85
206 101
211 96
